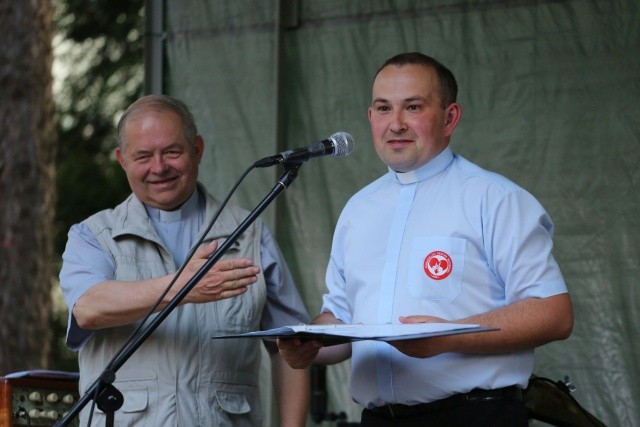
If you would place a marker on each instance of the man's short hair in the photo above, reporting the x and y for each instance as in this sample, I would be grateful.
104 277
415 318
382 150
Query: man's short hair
159 103
448 84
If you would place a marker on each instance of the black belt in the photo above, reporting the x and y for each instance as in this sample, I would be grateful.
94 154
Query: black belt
396 410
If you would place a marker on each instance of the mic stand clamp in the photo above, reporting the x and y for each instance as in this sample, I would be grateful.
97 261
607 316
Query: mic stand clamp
109 398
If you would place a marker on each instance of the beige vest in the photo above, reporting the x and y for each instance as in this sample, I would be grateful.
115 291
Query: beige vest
179 376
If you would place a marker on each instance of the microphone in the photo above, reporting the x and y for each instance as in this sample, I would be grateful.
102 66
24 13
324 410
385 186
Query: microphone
340 144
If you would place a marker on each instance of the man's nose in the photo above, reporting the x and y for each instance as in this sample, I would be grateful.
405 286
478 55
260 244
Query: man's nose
158 164
398 123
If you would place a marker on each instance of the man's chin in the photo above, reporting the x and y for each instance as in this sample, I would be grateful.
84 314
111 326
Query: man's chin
165 203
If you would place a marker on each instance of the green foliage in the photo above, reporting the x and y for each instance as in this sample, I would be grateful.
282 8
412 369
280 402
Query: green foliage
99 71
100 65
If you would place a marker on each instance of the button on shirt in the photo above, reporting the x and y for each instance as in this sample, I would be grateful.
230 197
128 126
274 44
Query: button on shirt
448 240
86 264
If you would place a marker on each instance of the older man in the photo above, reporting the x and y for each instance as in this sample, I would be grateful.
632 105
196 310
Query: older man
119 262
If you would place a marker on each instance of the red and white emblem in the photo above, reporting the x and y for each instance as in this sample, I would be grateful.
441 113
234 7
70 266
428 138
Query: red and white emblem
438 265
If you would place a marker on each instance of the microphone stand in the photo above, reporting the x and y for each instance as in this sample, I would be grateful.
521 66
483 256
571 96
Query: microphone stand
109 398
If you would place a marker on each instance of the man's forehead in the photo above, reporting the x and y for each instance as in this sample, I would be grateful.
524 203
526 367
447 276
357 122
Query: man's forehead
405 83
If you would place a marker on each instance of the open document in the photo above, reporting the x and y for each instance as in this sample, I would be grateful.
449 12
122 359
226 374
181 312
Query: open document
341 333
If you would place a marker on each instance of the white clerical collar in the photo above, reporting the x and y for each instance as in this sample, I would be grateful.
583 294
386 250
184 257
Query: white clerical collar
183 211
426 171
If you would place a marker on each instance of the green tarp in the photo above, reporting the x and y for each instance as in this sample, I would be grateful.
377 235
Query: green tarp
550 92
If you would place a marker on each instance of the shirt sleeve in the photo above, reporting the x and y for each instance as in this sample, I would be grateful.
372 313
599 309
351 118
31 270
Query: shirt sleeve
84 264
521 246
335 299
284 305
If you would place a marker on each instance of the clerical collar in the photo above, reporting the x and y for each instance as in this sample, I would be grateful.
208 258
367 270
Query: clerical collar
426 171
183 211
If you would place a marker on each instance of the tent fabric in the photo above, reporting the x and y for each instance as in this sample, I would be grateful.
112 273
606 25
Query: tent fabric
550 93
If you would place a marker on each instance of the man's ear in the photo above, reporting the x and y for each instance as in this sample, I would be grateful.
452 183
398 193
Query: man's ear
120 157
453 113
199 147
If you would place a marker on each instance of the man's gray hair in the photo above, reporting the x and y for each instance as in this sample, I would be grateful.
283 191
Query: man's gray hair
159 103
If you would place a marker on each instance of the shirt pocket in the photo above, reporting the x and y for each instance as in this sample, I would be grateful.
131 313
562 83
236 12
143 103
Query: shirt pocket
234 404
140 400
435 267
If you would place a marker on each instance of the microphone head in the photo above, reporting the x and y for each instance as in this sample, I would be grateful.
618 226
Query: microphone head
343 144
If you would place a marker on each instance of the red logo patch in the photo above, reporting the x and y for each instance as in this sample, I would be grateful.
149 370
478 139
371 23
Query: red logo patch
438 265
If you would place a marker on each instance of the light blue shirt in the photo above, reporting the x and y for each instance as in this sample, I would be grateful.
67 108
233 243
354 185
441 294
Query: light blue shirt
449 240
86 264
